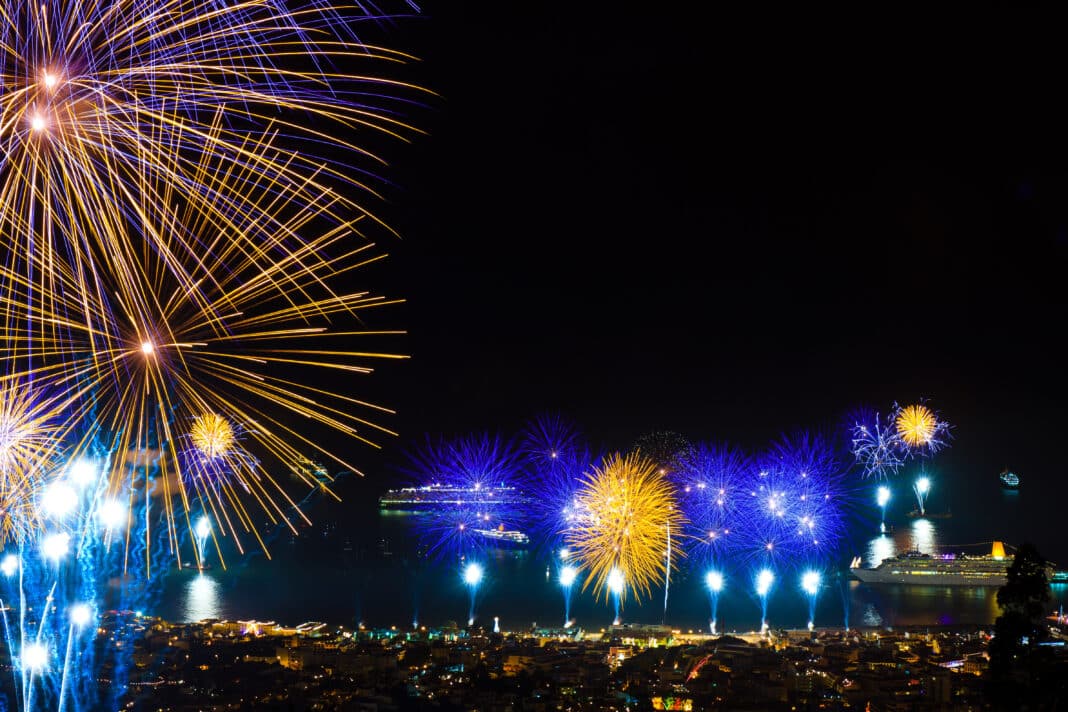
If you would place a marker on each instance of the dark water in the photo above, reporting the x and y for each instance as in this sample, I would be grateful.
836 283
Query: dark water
363 568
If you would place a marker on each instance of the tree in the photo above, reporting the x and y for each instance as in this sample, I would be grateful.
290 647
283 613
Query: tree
1020 672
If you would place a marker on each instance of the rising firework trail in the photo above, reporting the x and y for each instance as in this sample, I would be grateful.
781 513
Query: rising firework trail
763 582
472 576
922 487
568 574
714 583
810 584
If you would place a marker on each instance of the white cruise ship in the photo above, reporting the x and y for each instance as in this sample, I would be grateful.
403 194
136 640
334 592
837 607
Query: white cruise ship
921 569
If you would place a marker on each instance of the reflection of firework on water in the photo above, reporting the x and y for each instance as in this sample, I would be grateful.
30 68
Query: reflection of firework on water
877 445
711 482
920 428
625 510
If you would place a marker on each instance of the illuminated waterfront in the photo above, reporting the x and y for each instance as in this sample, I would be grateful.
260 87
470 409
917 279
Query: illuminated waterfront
366 583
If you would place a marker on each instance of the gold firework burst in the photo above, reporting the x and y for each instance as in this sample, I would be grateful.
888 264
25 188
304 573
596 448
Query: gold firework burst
627 515
18 515
916 425
212 435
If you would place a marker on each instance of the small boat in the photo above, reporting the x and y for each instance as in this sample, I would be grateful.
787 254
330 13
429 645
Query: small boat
916 514
1009 479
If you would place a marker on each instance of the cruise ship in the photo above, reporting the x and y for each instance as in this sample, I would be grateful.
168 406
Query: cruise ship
438 495
509 538
921 569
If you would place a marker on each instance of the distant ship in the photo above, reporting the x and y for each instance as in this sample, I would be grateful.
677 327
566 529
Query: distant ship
504 537
436 495
1009 479
921 569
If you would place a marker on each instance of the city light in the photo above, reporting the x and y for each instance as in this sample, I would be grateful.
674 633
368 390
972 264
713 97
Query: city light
568 575
9 565
714 581
59 499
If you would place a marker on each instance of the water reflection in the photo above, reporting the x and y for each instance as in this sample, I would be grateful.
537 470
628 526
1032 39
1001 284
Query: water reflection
897 604
923 536
202 598
879 548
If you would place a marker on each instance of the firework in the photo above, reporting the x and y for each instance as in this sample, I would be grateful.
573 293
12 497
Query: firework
921 429
922 487
108 109
18 515
30 433
714 583
472 576
664 447
810 584
549 441
877 445
257 351
762 583
484 474
626 510
710 481
568 575
555 459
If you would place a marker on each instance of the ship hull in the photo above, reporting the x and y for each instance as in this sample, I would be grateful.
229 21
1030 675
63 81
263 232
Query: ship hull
939 579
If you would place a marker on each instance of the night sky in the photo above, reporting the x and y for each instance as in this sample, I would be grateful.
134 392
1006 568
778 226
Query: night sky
730 226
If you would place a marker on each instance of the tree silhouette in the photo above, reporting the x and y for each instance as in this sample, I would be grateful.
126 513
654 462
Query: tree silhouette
1023 675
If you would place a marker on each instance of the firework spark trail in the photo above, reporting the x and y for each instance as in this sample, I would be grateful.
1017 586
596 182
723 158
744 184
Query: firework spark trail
108 108
877 446
146 367
624 508
710 483
921 429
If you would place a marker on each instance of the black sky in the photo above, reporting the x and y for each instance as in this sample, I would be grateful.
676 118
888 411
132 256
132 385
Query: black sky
732 225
